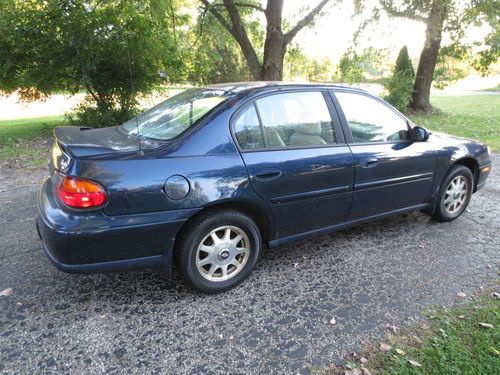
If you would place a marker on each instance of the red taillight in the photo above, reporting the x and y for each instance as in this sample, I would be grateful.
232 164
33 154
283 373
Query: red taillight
79 193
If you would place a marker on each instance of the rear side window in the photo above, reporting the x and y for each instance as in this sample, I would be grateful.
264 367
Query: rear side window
247 129
296 119
370 120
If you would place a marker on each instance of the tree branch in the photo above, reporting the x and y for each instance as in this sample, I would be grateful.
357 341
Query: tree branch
304 22
408 13
217 15
244 5
237 29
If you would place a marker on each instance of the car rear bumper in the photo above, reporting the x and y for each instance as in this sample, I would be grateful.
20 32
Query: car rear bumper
90 241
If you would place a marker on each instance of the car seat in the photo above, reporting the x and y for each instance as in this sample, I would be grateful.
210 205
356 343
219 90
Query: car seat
307 134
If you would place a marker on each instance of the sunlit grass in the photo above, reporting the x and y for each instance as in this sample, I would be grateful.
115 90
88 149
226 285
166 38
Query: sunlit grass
24 140
470 116
463 340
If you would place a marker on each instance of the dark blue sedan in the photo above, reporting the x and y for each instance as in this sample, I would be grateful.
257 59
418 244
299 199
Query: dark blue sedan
209 175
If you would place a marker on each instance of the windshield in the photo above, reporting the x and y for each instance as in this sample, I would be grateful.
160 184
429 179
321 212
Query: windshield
173 116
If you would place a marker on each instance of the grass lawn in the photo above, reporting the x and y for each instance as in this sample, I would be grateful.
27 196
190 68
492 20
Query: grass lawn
24 140
462 340
470 116
28 128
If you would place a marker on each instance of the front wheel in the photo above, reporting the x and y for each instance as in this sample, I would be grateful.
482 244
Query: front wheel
218 250
455 193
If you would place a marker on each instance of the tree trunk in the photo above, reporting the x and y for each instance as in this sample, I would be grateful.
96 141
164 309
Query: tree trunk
429 57
274 48
276 42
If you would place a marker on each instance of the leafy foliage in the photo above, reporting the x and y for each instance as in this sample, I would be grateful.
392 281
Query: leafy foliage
400 85
216 56
265 54
69 46
447 23
486 12
353 65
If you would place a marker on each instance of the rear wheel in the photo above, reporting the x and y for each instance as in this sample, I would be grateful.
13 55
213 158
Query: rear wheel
218 250
455 193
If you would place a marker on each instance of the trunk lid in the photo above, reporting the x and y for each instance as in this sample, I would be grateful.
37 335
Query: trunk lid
85 142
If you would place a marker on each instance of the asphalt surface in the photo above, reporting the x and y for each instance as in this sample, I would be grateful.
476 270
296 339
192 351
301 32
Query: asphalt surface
276 322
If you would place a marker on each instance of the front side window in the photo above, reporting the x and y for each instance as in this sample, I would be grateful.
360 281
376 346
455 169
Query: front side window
371 120
176 114
295 119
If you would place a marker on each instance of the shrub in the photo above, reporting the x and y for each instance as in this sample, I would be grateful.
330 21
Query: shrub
88 114
400 85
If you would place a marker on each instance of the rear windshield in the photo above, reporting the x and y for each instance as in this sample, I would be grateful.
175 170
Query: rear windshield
173 116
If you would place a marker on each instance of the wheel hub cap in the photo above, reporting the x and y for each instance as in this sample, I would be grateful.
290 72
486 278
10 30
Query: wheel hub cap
456 194
222 253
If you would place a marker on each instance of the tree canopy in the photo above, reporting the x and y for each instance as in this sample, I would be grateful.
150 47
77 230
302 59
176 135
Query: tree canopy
232 16
450 18
63 45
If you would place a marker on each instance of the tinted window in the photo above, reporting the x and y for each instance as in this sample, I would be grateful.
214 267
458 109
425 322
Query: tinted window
247 129
296 119
370 120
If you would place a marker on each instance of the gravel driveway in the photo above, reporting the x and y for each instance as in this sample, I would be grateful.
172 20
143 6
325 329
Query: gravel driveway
275 322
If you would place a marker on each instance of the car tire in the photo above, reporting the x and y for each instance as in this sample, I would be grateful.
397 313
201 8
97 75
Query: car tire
454 194
218 250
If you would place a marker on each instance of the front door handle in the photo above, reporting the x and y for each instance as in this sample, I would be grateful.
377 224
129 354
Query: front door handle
370 162
268 174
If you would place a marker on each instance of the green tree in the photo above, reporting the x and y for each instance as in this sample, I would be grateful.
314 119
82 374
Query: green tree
350 68
216 56
486 12
63 45
400 85
353 66
450 18
267 65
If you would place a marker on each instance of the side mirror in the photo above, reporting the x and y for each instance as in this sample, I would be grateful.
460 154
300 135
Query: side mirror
419 134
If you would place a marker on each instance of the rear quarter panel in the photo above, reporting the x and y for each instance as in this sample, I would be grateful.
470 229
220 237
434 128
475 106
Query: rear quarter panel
205 155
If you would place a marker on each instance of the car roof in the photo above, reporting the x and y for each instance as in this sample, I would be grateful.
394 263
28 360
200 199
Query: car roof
241 87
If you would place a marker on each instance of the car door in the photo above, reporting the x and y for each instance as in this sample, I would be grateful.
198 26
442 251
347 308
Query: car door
296 159
391 171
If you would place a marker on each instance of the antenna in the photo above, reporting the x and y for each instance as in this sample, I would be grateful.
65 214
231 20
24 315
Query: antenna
133 91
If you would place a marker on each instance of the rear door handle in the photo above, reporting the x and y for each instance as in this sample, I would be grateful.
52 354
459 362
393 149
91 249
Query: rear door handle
369 162
268 174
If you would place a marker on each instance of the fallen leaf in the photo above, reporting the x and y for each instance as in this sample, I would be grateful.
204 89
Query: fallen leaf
399 351
486 325
385 347
332 321
414 363
461 295
6 292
